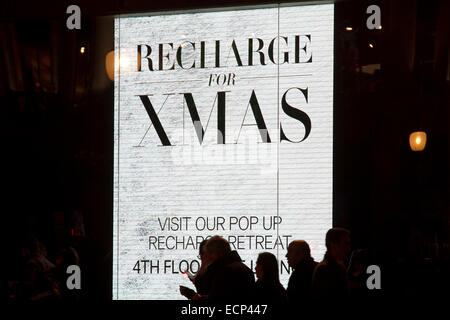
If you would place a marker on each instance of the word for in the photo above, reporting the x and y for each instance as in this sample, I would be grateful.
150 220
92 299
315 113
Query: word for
222 79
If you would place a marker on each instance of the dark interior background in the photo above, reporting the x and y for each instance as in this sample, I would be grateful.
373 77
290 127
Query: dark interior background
56 107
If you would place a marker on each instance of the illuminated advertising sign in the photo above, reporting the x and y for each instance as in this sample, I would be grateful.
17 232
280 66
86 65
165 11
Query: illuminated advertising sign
223 125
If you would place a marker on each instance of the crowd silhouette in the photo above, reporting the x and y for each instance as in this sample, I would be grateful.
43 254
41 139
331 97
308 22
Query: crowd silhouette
223 277
40 276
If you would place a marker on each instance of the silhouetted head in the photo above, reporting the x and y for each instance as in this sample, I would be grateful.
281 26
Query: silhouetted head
337 242
217 247
202 250
297 251
267 267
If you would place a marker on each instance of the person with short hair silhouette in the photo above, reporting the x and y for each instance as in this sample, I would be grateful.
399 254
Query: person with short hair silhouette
330 279
230 279
268 287
201 278
300 260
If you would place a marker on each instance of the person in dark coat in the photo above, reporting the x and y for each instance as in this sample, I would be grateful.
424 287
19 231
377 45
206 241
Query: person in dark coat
299 258
201 279
268 288
230 279
330 279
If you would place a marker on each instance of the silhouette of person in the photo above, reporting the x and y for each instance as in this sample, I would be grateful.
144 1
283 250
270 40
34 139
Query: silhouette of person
268 287
39 281
299 258
230 279
357 276
330 279
201 279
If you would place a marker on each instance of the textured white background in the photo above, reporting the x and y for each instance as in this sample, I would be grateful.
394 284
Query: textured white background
211 180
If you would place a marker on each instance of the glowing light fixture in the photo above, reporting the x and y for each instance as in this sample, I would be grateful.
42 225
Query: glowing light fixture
417 140
109 65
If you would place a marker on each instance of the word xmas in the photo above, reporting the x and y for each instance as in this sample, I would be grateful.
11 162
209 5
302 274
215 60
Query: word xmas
189 55
252 105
